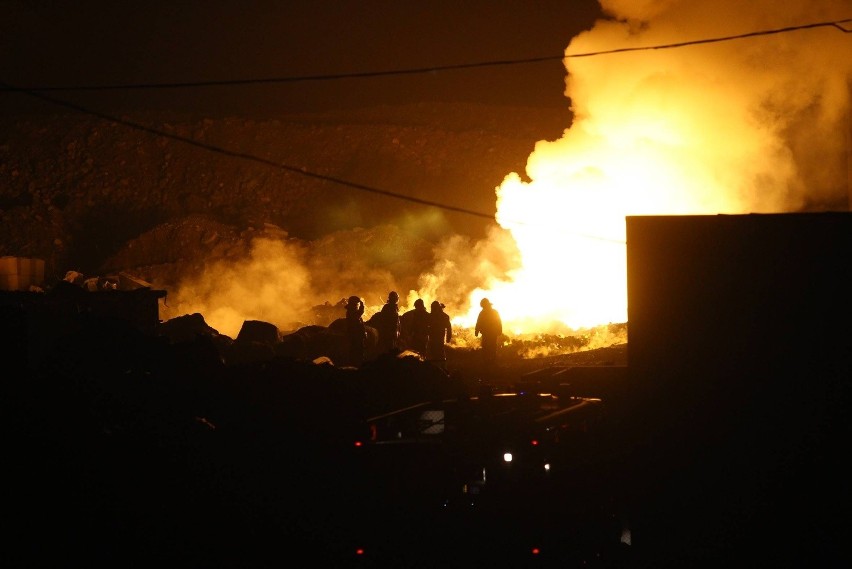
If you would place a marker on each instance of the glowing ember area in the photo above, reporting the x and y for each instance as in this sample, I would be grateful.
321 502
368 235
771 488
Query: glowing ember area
751 125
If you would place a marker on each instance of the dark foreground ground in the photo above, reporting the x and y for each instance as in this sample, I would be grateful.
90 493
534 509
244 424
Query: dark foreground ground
122 450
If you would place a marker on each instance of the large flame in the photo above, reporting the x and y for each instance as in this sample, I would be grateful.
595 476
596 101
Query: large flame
703 129
759 124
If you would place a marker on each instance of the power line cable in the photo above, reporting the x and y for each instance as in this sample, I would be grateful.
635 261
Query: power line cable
834 24
264 161
246 156
37 92
432 69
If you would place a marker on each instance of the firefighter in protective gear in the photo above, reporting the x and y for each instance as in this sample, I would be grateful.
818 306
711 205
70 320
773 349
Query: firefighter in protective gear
440 332
388 324
489 324
356 331
414 332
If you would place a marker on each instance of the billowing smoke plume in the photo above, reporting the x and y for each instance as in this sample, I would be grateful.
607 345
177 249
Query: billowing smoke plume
764 121
272 284
293 283
752 125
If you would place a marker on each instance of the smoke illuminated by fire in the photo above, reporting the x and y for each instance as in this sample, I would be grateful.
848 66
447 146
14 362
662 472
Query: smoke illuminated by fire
754 125
751 125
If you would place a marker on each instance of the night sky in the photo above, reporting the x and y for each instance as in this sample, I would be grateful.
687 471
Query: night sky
103 42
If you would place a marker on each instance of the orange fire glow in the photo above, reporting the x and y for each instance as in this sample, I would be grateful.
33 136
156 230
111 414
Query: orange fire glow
759 124
699 130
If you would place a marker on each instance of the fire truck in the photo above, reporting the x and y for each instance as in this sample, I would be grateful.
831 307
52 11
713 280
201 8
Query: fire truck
527 474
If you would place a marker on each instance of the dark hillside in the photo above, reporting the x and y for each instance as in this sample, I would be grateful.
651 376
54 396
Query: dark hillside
77 190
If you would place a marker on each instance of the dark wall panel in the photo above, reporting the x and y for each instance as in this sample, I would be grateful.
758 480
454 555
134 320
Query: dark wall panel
740 362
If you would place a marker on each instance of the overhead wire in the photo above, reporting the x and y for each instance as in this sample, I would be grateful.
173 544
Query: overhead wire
431 69
833 24
236 154
279 165
257 159
38 92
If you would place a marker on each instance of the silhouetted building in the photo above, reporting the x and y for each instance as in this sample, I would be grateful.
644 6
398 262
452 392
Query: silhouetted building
740 365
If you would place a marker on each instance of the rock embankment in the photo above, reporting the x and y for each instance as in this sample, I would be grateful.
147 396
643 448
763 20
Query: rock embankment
78 190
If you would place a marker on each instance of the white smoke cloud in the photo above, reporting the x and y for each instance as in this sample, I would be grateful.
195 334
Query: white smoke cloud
293 283
749 125
463 266
271 284
765 120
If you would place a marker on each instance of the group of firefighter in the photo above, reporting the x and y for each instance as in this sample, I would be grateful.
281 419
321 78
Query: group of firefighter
425 332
